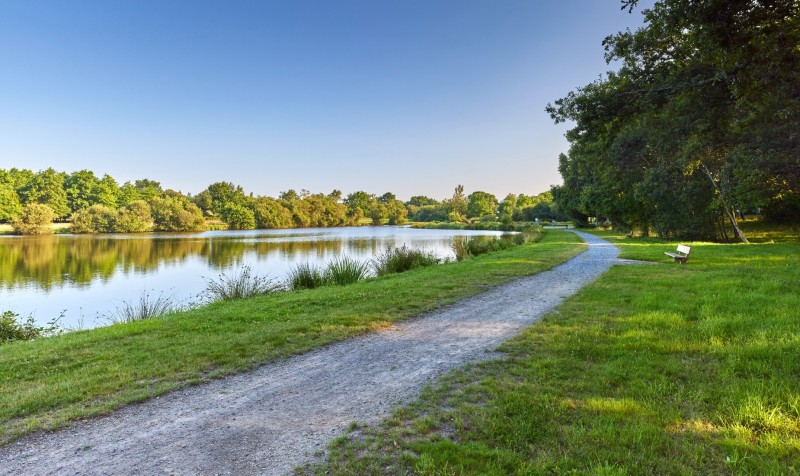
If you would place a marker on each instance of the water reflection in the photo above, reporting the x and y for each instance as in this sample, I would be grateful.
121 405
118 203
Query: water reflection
88 275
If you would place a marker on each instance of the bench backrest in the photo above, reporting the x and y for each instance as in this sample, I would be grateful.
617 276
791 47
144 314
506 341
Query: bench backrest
684 249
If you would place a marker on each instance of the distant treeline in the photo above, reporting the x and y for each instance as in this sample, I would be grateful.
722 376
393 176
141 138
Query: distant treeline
699 124
30 201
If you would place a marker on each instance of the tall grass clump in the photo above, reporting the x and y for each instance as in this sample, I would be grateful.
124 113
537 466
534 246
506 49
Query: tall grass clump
305 276
398 260
240 285
346 270
464 246
146 307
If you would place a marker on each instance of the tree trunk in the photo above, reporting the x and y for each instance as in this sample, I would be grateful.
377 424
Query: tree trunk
731 216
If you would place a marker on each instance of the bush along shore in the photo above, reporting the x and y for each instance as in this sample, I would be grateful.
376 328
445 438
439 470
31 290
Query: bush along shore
694 372
48 382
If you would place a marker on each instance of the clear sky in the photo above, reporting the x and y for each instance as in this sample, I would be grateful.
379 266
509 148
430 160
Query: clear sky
408 96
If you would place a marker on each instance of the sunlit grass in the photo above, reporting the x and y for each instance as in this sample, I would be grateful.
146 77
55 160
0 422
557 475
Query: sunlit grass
653 369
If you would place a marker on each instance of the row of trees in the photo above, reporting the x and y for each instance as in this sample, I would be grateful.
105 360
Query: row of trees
99 205
700 123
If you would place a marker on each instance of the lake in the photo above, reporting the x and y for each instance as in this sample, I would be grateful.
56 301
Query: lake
85 278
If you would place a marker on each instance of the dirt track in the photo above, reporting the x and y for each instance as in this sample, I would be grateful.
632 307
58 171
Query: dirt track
282 415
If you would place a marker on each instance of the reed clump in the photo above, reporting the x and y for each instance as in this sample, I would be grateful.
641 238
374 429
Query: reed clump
398 260
240 285
147 306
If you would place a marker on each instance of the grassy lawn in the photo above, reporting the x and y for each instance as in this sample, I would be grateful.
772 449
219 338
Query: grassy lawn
653 369
48 382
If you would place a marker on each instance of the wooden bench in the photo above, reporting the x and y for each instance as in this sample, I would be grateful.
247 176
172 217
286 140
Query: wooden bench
680 256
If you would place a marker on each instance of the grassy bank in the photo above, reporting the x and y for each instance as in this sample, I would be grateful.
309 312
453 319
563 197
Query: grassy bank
653 369
47 382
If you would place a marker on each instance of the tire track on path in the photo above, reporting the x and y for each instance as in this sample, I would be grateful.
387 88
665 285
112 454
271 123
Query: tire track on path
281 415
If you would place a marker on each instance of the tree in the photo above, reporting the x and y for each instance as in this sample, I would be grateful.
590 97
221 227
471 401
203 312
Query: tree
238 217
35 219
148 189
47 188
128 194
480 204
507 207
106 192
269 213
377 212
224 194
176 214
387 197
10 206
421 201
456 207
80 188
358 205
396 212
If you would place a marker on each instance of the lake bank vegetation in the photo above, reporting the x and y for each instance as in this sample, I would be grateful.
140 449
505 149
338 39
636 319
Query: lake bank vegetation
29 201
45 383
694 372
698 127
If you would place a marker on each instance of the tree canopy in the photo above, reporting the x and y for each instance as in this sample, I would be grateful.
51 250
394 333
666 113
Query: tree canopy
700 123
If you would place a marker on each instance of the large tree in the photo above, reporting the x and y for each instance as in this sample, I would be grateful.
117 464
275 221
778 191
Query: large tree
700 120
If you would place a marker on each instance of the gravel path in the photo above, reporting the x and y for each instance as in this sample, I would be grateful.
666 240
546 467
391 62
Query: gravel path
282 415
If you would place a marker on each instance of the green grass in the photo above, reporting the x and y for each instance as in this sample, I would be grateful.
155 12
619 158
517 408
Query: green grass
653 369
47 382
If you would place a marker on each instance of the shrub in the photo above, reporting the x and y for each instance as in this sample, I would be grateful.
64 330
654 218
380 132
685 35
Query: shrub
240 285
94 219
345 270
305 276
134 218
402 259
12 329
35 219
176 214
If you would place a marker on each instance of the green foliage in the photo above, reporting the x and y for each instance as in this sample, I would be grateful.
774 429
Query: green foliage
481 204
47 188
35 219
176 214
269 213
14 329
239 285
224 194
361 201
377 212
698 122
94 219
10 206
398 260
396 212
147 189
238 217
101 219
134 218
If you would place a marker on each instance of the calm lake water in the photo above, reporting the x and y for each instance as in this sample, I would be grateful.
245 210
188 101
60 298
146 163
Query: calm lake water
87 277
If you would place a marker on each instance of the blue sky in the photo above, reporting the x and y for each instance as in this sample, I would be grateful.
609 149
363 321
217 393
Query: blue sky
410 96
